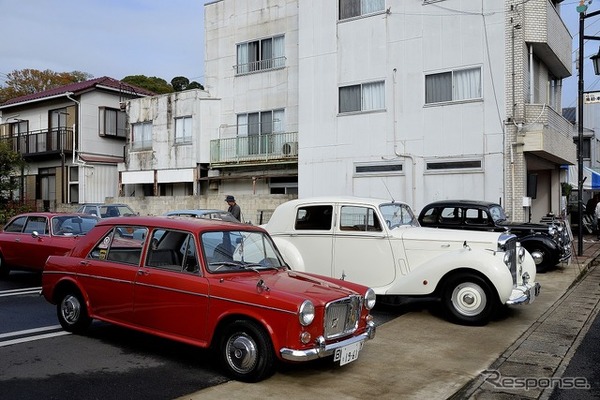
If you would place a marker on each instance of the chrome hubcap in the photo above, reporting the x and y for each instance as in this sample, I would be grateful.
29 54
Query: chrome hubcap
241 352
70 309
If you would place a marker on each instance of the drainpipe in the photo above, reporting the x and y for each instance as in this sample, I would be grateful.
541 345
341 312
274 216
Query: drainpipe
81 175
403 155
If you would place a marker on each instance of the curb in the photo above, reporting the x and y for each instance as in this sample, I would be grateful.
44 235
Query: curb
520 369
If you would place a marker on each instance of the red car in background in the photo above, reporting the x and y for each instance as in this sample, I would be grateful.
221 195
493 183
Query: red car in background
28 239
211 284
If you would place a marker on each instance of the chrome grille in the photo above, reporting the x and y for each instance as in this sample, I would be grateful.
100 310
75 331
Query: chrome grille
508 244
341 317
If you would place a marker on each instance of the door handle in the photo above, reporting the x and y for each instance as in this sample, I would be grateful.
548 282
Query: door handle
446 245
143 272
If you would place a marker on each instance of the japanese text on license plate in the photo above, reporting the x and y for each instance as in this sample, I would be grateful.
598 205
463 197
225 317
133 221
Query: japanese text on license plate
348 353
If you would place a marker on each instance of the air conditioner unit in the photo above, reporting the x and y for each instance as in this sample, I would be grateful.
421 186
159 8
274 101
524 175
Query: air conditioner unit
290 149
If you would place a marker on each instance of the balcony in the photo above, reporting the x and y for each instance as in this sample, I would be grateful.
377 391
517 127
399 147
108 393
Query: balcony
548 134
550 38
267 148
43 144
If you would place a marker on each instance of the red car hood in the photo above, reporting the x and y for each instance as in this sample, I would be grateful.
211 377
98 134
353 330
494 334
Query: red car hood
289 285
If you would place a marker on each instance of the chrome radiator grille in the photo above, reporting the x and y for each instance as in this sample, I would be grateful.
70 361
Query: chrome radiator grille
508 244
341 317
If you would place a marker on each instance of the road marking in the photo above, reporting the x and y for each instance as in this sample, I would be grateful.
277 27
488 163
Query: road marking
25 332
20 292
32 338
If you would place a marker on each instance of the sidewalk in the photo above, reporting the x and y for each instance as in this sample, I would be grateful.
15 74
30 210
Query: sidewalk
420 355
546 348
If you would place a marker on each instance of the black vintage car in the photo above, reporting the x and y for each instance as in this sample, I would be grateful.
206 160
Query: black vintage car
549 243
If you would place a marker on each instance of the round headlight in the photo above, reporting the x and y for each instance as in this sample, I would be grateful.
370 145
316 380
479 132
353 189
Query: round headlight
306 314
370 298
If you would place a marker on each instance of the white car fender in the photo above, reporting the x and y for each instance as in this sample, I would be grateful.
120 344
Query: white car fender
290 254
424 279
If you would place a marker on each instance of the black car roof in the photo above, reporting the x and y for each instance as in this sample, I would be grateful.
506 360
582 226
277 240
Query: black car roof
461 203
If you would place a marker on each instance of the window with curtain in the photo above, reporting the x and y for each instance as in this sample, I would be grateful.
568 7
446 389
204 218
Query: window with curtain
356 8
258 127
363 97
464 84
113 122
141 136
183 130
263 54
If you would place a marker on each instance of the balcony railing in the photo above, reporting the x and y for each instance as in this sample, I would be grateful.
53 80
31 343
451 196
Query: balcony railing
261 65
43 142
262 148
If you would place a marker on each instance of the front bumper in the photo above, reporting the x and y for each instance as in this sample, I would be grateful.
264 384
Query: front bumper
524 294
324 350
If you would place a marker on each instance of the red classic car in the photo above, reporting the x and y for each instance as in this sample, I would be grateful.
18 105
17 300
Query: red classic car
28 239
211 284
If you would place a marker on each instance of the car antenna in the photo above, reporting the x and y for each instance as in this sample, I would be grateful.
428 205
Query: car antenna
388 190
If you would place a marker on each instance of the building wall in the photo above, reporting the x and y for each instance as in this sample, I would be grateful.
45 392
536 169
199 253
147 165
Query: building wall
400 46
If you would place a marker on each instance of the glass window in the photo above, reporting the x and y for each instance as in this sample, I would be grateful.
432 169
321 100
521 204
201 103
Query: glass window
113 122
263 54
356 8
16 225
314 218
123 244
234 251
183 130
455 85
172 250
37 224
363 97
141 136
359 219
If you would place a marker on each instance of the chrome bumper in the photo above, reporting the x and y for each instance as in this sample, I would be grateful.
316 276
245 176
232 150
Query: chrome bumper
325 350
524 294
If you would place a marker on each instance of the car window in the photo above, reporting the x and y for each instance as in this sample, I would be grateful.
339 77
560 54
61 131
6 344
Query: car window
451 215
475 216
37 224
397 214
314 218
118 247
497 213
228 251
354 218
429 216
16 225
70 225
172 250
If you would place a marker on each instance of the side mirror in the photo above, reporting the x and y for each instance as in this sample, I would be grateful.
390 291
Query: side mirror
35 235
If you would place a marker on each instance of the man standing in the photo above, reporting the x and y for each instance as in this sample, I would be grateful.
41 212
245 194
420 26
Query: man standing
234 209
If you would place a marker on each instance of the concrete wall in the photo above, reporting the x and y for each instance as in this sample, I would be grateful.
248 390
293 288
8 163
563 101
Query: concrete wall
251 205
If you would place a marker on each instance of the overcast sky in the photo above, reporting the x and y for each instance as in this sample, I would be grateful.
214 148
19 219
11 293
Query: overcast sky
163 38
115 38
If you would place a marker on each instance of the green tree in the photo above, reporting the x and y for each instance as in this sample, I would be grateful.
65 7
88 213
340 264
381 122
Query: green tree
11 164
27 81
181 83
154 84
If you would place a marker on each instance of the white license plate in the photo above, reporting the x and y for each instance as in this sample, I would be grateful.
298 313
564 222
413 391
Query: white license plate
348 353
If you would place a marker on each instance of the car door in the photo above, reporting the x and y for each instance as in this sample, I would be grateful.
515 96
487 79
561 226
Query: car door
312 237
11 239
171 295
362 252
108 275
33 250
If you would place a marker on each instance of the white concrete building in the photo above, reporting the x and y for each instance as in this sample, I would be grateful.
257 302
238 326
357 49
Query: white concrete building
418 100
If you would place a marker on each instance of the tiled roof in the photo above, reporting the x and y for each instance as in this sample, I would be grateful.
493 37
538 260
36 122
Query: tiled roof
79 87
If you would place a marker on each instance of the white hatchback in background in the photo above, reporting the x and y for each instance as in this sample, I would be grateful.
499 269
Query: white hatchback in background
379 243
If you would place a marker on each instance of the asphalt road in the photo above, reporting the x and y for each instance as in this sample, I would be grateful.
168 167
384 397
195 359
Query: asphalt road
41 361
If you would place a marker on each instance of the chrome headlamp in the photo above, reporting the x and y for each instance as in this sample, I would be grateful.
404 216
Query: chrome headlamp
370 298
306 314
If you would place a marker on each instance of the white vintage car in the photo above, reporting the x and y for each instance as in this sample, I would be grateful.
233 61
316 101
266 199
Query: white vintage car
380 244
